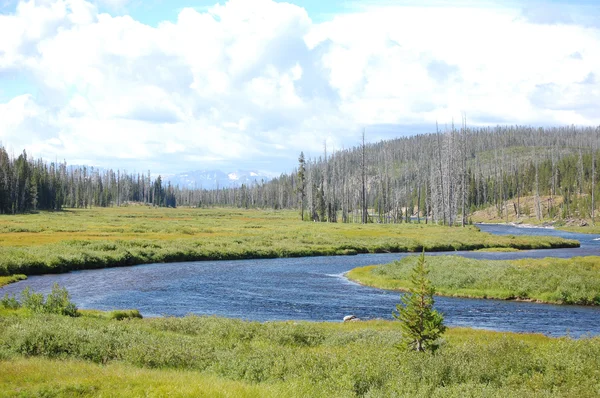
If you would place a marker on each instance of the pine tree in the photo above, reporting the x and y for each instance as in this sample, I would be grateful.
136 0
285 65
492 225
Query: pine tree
321 203
301 183
422 326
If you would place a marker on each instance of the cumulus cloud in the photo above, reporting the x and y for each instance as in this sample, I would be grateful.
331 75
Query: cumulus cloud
251 83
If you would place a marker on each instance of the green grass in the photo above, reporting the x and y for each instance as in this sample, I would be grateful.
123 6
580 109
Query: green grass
105 237
550 280
51 355
5 280
39 377
118 315
589 229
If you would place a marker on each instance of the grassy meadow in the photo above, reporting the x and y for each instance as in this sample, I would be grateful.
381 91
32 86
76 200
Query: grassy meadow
119 354
50 242
58 356
550 280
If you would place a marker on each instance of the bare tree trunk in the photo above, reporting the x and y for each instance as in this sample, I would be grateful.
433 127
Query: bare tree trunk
419 203
504 189
594 148
496 199
363 192
408 201
451 203
439 145
464 169
538 209
518 210
580 171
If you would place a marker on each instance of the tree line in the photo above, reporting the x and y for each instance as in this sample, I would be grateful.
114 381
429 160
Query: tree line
29 185
441 177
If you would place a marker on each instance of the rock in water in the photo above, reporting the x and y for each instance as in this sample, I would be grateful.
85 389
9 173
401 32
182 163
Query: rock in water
349 318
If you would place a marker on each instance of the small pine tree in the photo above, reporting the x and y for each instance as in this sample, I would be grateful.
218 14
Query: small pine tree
422 326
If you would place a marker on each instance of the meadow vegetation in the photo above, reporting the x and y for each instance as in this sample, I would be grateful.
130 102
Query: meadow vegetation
5 280
550 280
49 242
58 302
52 355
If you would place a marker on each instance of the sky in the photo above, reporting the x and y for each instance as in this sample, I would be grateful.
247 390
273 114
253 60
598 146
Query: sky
177 85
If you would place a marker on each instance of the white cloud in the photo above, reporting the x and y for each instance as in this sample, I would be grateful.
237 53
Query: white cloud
255 81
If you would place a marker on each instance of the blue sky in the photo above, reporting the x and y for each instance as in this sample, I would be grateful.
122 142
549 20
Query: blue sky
155 11
179 85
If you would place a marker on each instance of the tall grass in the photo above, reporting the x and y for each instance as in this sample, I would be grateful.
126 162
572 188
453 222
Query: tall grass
551 280
5 280
285 359
39 377
97 238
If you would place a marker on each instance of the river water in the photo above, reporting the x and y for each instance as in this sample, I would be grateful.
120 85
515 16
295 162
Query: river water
311 288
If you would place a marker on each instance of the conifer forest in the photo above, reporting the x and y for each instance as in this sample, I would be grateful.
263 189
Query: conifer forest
441 177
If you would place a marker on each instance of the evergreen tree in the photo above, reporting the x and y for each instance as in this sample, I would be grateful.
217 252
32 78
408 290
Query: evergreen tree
321 203
301 183
422 326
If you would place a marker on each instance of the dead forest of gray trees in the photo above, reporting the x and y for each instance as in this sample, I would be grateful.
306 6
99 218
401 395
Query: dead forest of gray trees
441 177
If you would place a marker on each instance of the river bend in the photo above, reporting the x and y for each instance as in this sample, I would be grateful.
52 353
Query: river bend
311 288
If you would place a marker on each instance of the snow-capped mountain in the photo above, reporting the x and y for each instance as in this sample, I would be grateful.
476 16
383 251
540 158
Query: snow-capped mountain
212 179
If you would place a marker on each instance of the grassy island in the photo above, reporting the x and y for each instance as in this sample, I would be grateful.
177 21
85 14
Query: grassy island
49 242
59 356
549 280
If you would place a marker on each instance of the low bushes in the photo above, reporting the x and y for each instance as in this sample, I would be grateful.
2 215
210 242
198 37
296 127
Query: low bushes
124 314
316 359
58 302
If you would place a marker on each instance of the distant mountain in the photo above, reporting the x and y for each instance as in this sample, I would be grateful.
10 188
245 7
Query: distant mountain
212 179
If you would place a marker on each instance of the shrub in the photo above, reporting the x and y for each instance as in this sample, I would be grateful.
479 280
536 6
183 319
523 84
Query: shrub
9 302
58 302
32 300
124 314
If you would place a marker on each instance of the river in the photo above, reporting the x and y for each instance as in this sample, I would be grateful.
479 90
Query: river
311 288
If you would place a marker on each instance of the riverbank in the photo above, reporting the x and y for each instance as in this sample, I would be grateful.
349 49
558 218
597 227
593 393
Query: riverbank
527 218
548 280
579 226
53 242
5 280
61 356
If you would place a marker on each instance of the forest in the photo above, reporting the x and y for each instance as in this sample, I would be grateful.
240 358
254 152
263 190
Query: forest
29 185
442 177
